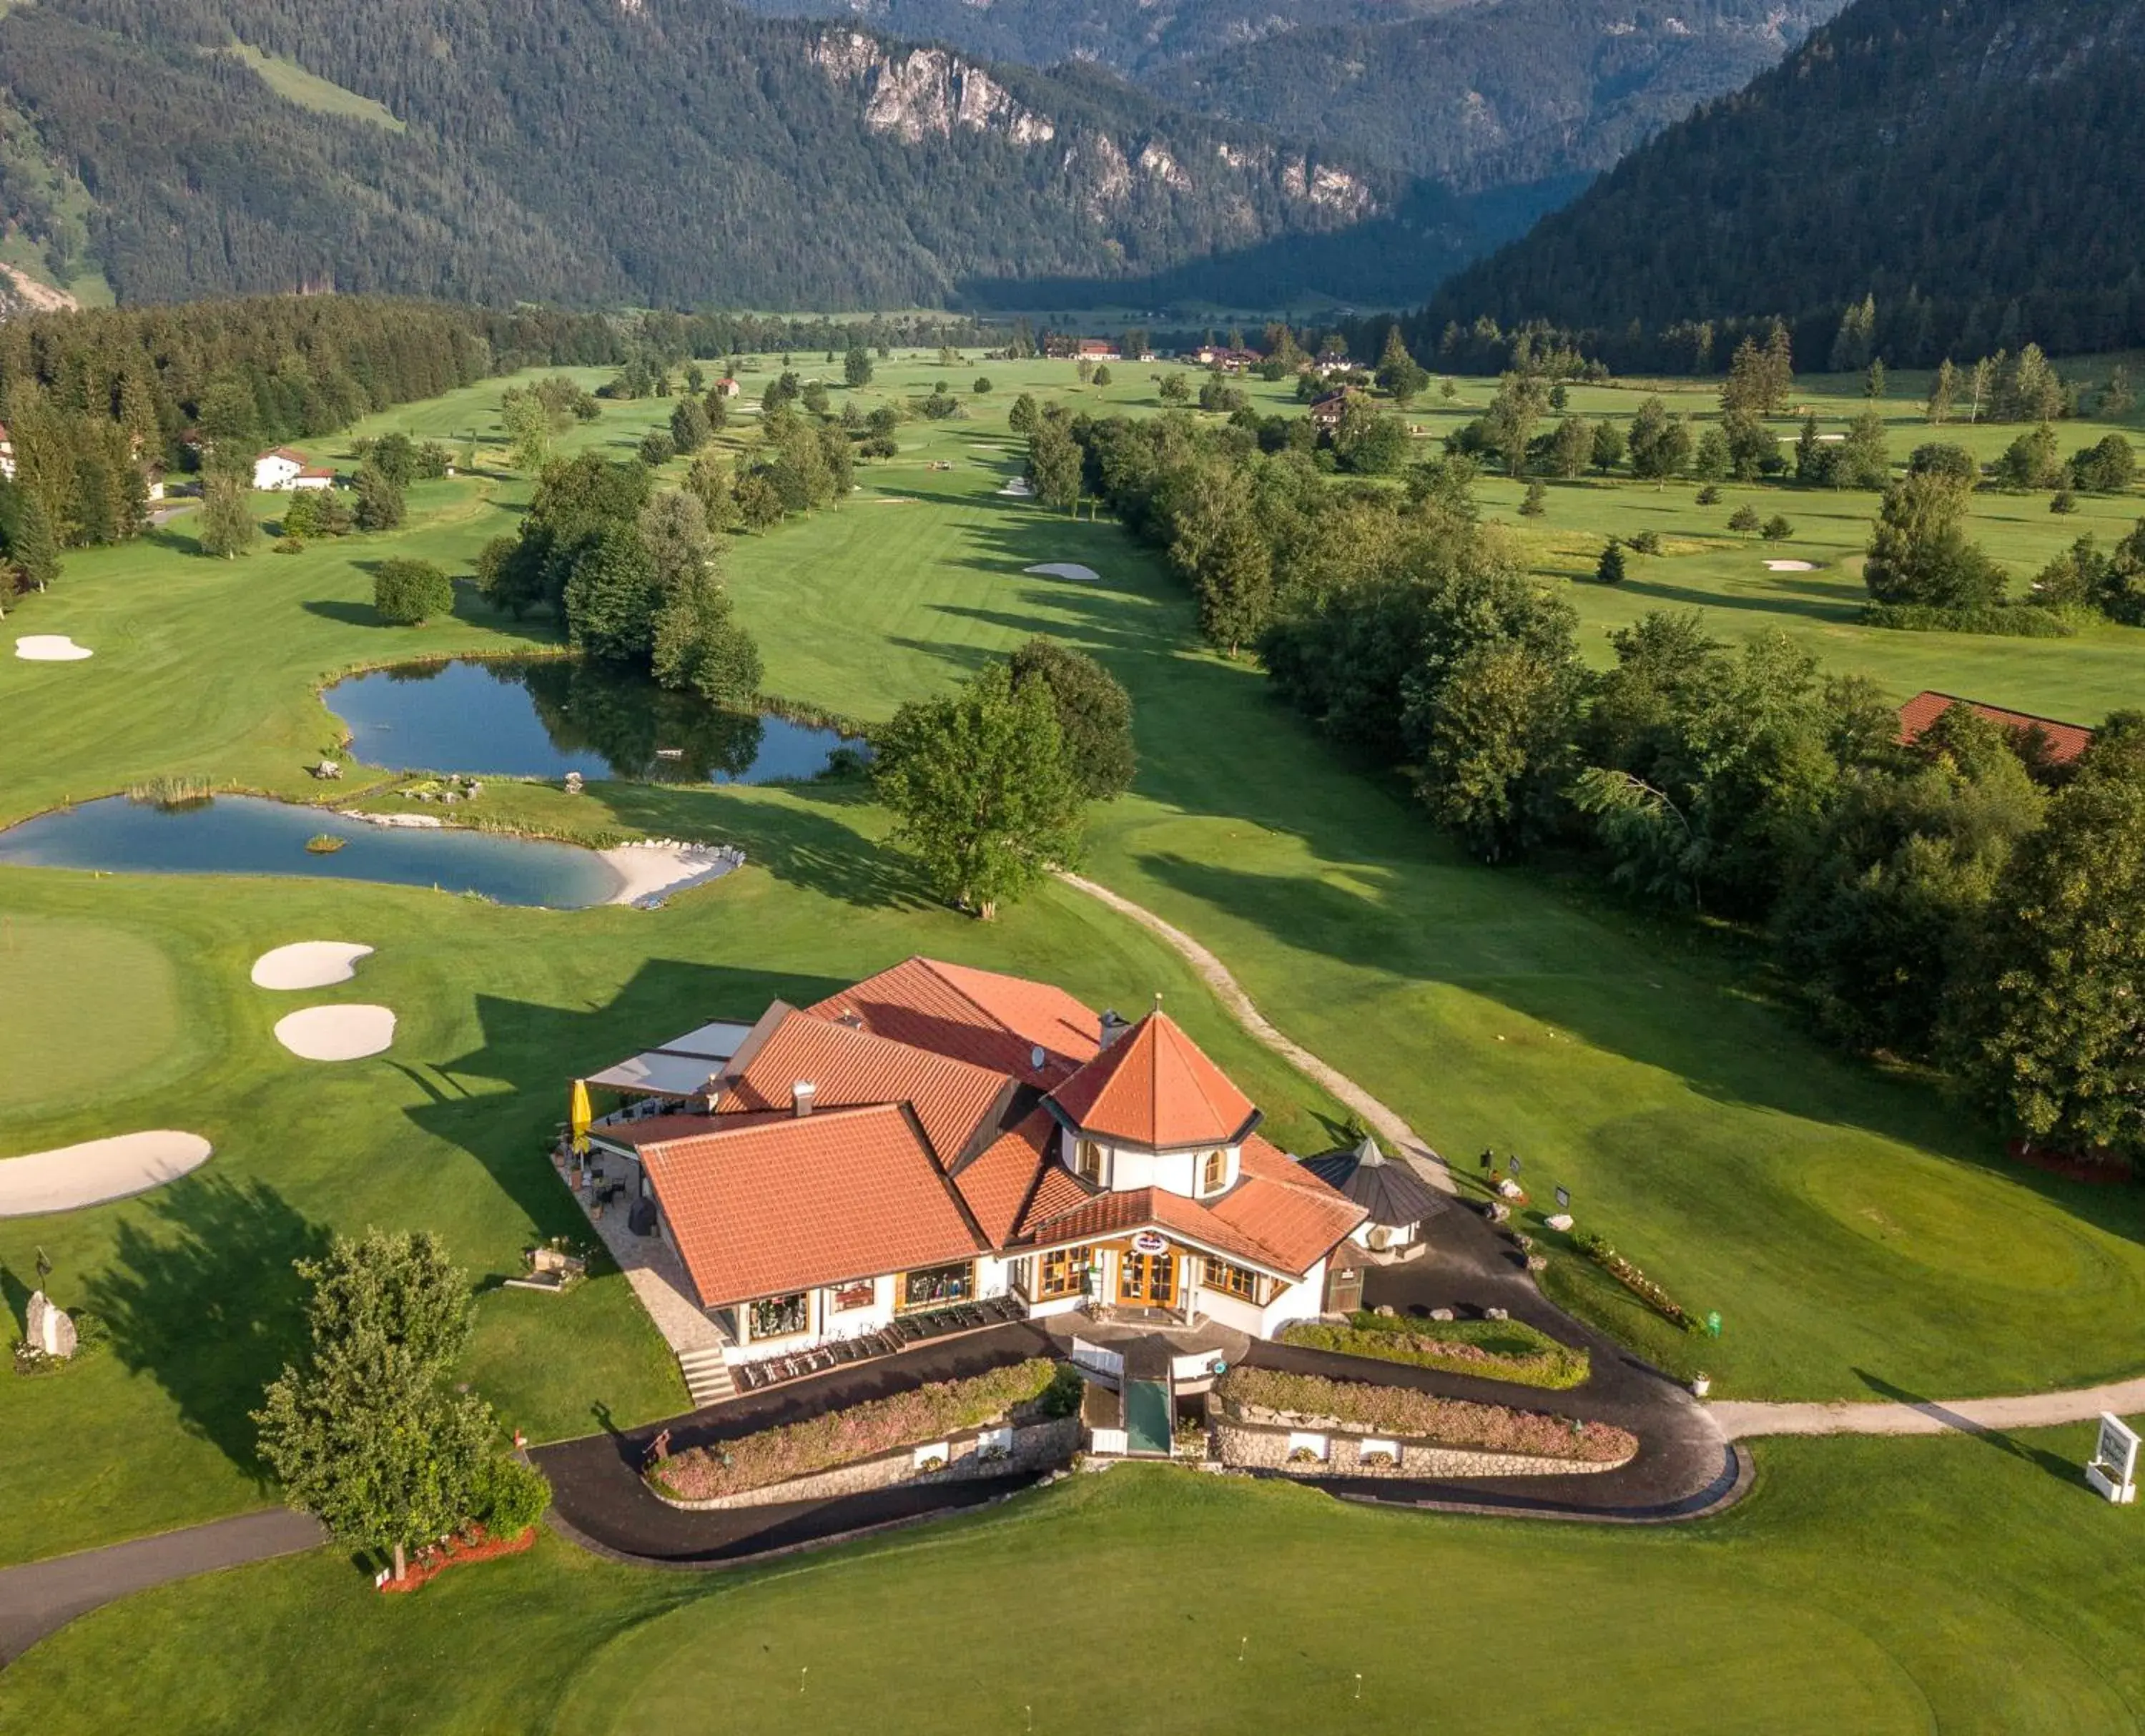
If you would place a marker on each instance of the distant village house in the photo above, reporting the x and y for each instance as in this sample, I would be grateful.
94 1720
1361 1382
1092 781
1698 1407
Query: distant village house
282 471
2048 739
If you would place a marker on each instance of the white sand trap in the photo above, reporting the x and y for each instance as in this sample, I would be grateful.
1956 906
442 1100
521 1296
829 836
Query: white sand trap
1791 566
1019 485
96 1171
50 648
337 1033
656 867
1063 570
308 964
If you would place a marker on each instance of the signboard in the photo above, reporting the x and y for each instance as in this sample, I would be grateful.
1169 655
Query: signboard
1149 1243
2114 1470
1563 1199
1512 1163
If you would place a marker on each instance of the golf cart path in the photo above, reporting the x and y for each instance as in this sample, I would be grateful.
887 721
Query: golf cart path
40 1597
1382 1120
1741 1421
1734 1420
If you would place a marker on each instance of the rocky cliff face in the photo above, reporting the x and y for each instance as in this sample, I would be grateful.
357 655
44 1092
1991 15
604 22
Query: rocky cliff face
916 94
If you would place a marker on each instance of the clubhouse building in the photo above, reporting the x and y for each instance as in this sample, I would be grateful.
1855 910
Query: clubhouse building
938 1138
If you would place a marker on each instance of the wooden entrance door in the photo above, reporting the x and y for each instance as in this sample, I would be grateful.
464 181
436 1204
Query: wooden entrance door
1147 1281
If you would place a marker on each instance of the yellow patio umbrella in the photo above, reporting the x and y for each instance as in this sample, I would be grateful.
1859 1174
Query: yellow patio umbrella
578 1116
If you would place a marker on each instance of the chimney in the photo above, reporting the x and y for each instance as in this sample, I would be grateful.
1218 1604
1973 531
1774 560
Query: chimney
800 1097
1114 1026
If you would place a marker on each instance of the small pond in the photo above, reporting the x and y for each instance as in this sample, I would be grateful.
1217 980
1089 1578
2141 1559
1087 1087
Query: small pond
545 717
249 835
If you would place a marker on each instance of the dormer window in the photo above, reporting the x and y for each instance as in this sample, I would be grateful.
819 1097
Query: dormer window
1088 1161
1214 1172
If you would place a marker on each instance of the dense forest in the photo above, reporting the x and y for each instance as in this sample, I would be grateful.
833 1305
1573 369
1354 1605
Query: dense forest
1967 903
592 154
1977 165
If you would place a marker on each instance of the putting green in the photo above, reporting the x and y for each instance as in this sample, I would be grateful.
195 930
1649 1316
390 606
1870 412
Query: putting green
97 1009
1951 1218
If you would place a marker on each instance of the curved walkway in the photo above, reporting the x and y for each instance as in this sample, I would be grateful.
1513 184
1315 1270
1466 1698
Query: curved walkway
1386 1123
40 1597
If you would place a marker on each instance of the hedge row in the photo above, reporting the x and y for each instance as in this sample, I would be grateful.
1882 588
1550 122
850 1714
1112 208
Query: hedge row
1553 1365
2009 620
1424 1416
844 1437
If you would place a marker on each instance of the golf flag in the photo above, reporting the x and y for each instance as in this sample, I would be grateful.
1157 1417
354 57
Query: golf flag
578 1116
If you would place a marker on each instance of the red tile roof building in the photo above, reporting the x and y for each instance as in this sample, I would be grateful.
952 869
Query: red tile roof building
2064 742
938 1134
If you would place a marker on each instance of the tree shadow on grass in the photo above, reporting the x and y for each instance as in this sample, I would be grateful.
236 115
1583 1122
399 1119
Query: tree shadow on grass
1832 608
538 1051
349 613
2062 1469
201 1297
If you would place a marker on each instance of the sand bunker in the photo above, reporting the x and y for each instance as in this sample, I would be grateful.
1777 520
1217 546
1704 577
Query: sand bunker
1063 570
655 867
1791 566
337 1033
50 648
1019 485
96 1171
308 964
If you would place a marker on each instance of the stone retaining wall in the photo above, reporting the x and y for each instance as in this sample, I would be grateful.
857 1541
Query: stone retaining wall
1259 1446
1036 1446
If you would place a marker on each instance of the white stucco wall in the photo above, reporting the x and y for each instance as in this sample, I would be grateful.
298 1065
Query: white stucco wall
1299 1301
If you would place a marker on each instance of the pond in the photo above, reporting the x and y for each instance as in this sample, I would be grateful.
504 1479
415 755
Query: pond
545 717
249 835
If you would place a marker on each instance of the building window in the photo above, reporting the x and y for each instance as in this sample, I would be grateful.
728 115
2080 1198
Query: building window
1064 1273
856 1295
1235 1280
931 1285
779 1317
1088 1161
1214 1172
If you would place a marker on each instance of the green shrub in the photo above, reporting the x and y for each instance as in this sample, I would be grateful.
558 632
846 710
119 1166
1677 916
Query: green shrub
506 1496
2008 620
1063 1396
407 592
1495 1349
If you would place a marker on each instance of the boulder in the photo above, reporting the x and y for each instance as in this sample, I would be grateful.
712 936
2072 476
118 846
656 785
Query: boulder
1441 1314
1561 1221
48 1328
1496 1314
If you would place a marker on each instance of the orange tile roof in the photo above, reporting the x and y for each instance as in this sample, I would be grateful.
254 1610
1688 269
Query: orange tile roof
952 1099
1283 1223
2065 741
1155 1088
998 1182
794 1203
1057 1191
980 1017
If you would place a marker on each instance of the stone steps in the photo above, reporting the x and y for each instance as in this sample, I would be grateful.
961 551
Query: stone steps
707 1377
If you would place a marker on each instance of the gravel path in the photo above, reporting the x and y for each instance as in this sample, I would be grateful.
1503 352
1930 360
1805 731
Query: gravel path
1382 1120
1741 1421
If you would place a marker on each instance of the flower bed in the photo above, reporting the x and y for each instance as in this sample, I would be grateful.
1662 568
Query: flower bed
1597 1249
1536 1360
435 1559
1306 1401
842 1437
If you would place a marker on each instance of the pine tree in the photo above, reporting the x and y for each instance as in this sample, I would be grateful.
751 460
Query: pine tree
31 544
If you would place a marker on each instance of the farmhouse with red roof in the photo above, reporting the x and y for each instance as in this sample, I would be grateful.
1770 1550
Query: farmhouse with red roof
2063 741
938 1135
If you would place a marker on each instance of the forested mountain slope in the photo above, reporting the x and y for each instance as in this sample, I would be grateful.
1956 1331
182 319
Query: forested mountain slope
1483 93
1979 165
596 150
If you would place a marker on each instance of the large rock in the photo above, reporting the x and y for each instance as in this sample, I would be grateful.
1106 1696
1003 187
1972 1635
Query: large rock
48 1328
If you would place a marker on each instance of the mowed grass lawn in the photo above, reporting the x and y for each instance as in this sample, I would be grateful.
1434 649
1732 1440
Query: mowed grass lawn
499 1008
1993 1593
1853 1231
